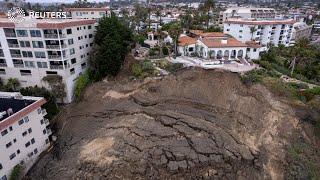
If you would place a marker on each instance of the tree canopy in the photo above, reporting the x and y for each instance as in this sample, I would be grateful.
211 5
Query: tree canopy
111 46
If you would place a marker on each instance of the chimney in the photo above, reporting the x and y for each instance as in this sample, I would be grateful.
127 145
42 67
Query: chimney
10 112
224 41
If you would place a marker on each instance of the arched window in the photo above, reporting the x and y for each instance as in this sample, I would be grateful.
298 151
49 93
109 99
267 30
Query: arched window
226 54
233 54
212 54
219 54
240 54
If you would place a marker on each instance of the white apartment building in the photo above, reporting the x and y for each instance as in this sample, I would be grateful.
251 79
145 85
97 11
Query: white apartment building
24 131
35 48
86 13
248 13
263 32
300 31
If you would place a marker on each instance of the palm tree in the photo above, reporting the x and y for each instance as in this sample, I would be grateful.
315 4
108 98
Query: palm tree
186 20
252 31
13 84
208 6
174 31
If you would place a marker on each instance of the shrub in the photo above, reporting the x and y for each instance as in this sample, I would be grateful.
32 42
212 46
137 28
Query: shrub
136 70
174 67
16 172
80 85
165 51
299 86
265 64
143 69
314 91
253 77
279 87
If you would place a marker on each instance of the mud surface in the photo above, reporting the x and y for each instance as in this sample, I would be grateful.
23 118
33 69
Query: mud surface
194 124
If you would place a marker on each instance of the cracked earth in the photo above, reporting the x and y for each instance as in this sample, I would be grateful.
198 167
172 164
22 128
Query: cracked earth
194 124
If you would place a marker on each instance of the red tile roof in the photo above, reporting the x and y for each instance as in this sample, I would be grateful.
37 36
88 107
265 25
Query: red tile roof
253 44
217 43
61 25
186 40
20 114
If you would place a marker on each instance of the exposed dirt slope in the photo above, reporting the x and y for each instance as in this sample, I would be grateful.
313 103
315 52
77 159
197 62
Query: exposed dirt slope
193 124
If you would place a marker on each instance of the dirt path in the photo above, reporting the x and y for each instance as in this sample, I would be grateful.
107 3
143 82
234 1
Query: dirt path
195 124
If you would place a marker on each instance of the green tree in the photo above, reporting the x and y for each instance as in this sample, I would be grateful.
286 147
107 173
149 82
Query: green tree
253 29
13 84
56 85
208 6
112 41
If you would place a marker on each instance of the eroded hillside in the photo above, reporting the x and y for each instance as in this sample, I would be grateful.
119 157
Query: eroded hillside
194 124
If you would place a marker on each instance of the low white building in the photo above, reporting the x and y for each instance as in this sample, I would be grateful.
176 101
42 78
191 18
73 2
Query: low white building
217 46
87 13
263 32
35 48
247 13
24 131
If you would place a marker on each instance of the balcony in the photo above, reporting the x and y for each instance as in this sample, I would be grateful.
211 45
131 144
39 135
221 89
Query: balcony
13 45
56 66
54 36
44 112
1 55
10 34
18 65
46 121
56 46
16 55
54 56
3 64
49 132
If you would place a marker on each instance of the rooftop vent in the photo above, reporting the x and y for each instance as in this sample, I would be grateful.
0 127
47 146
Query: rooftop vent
10 112
224 41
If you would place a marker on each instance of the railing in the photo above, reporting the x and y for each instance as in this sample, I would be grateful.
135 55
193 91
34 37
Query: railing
25 74
10 34
54 57
13 45
15 55
3 64
56 66
54 36
18 65
56 46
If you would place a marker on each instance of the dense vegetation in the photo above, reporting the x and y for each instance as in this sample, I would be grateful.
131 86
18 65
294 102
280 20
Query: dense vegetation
112 40
301 61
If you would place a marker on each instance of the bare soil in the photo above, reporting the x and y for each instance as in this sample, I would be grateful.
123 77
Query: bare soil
195 124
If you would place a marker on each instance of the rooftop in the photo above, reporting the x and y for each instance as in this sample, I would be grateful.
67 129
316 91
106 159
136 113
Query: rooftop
45 23
14 106
218 43
186 40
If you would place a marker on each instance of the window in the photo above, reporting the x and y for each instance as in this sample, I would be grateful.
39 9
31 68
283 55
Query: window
2 71
73 60
1 167
22 33
29 64
72 51
89 27
41 121
4 132
35 33
18 151
20 122
32 141
37 44
51 72
25 72
29 130
72 71
90 35
44 131
14 140
24 133
27 144
26 119
83 65
27 54
42 65
35 151
12 156
10 128
47 141
40 54
24 44
8 145
254 50
69 31
39 110
70 41
4 178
